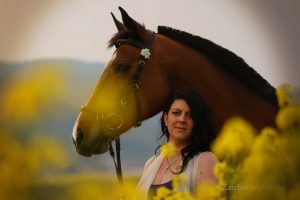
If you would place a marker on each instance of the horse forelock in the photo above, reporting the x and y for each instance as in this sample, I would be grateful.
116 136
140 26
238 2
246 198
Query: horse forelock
125 34
117 36
232 63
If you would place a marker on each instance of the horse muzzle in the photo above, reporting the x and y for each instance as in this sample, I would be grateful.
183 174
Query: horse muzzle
98 145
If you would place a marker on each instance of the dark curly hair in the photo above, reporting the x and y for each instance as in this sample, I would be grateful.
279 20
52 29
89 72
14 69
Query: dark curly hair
202 133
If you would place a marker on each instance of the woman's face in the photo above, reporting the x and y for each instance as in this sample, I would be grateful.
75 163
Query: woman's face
179 121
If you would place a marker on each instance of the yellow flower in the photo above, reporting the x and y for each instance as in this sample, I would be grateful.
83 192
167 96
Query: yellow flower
235 140
266 141
294 193
281 93
168 150
178 181
288 117
162 193
208 192
182 196
258 167
220 170
269 132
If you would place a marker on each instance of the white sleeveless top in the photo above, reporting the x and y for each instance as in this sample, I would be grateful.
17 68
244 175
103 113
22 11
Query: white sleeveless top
153 165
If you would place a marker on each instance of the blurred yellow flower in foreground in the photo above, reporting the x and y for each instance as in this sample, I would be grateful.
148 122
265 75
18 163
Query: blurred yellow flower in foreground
178 191
209 192
288 117
178 181
281 93
220 170
162 193
167 150
266 141
235 139
255 167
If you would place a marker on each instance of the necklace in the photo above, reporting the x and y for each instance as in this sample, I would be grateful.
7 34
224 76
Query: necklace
170 164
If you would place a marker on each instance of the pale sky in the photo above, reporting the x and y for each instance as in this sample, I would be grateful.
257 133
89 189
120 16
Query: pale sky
264 33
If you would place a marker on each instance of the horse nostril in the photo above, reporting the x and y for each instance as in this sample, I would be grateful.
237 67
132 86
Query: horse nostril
79 136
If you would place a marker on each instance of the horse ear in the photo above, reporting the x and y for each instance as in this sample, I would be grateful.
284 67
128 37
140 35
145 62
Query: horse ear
118 24
134 28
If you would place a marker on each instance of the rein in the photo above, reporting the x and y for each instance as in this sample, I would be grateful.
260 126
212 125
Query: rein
145 55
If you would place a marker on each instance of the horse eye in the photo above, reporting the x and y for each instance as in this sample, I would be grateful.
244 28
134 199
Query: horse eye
117 44
122 68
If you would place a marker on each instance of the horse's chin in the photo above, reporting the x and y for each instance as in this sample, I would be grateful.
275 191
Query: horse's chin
100 149
103 149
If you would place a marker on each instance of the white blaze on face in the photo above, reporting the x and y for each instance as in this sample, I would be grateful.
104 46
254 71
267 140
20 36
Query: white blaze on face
75 129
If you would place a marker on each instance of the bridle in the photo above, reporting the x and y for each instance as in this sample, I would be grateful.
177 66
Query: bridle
145 55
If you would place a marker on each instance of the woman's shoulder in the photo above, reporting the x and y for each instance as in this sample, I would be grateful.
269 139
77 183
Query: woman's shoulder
150 160
207 159
206 164
207 155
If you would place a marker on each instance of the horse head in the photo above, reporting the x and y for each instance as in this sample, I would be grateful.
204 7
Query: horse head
125 93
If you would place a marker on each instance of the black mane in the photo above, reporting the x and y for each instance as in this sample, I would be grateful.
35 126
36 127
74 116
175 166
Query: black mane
225 58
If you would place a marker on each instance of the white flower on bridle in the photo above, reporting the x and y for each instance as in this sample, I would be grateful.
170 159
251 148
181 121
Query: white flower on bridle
146 53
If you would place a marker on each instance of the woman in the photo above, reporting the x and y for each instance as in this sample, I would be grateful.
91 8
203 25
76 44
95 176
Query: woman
185 123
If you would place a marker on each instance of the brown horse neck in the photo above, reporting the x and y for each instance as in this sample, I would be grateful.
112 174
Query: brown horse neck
224 94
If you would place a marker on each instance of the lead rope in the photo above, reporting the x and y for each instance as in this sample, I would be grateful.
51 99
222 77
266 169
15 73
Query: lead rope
117 163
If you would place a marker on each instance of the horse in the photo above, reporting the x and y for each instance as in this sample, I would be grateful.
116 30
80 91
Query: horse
147 67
